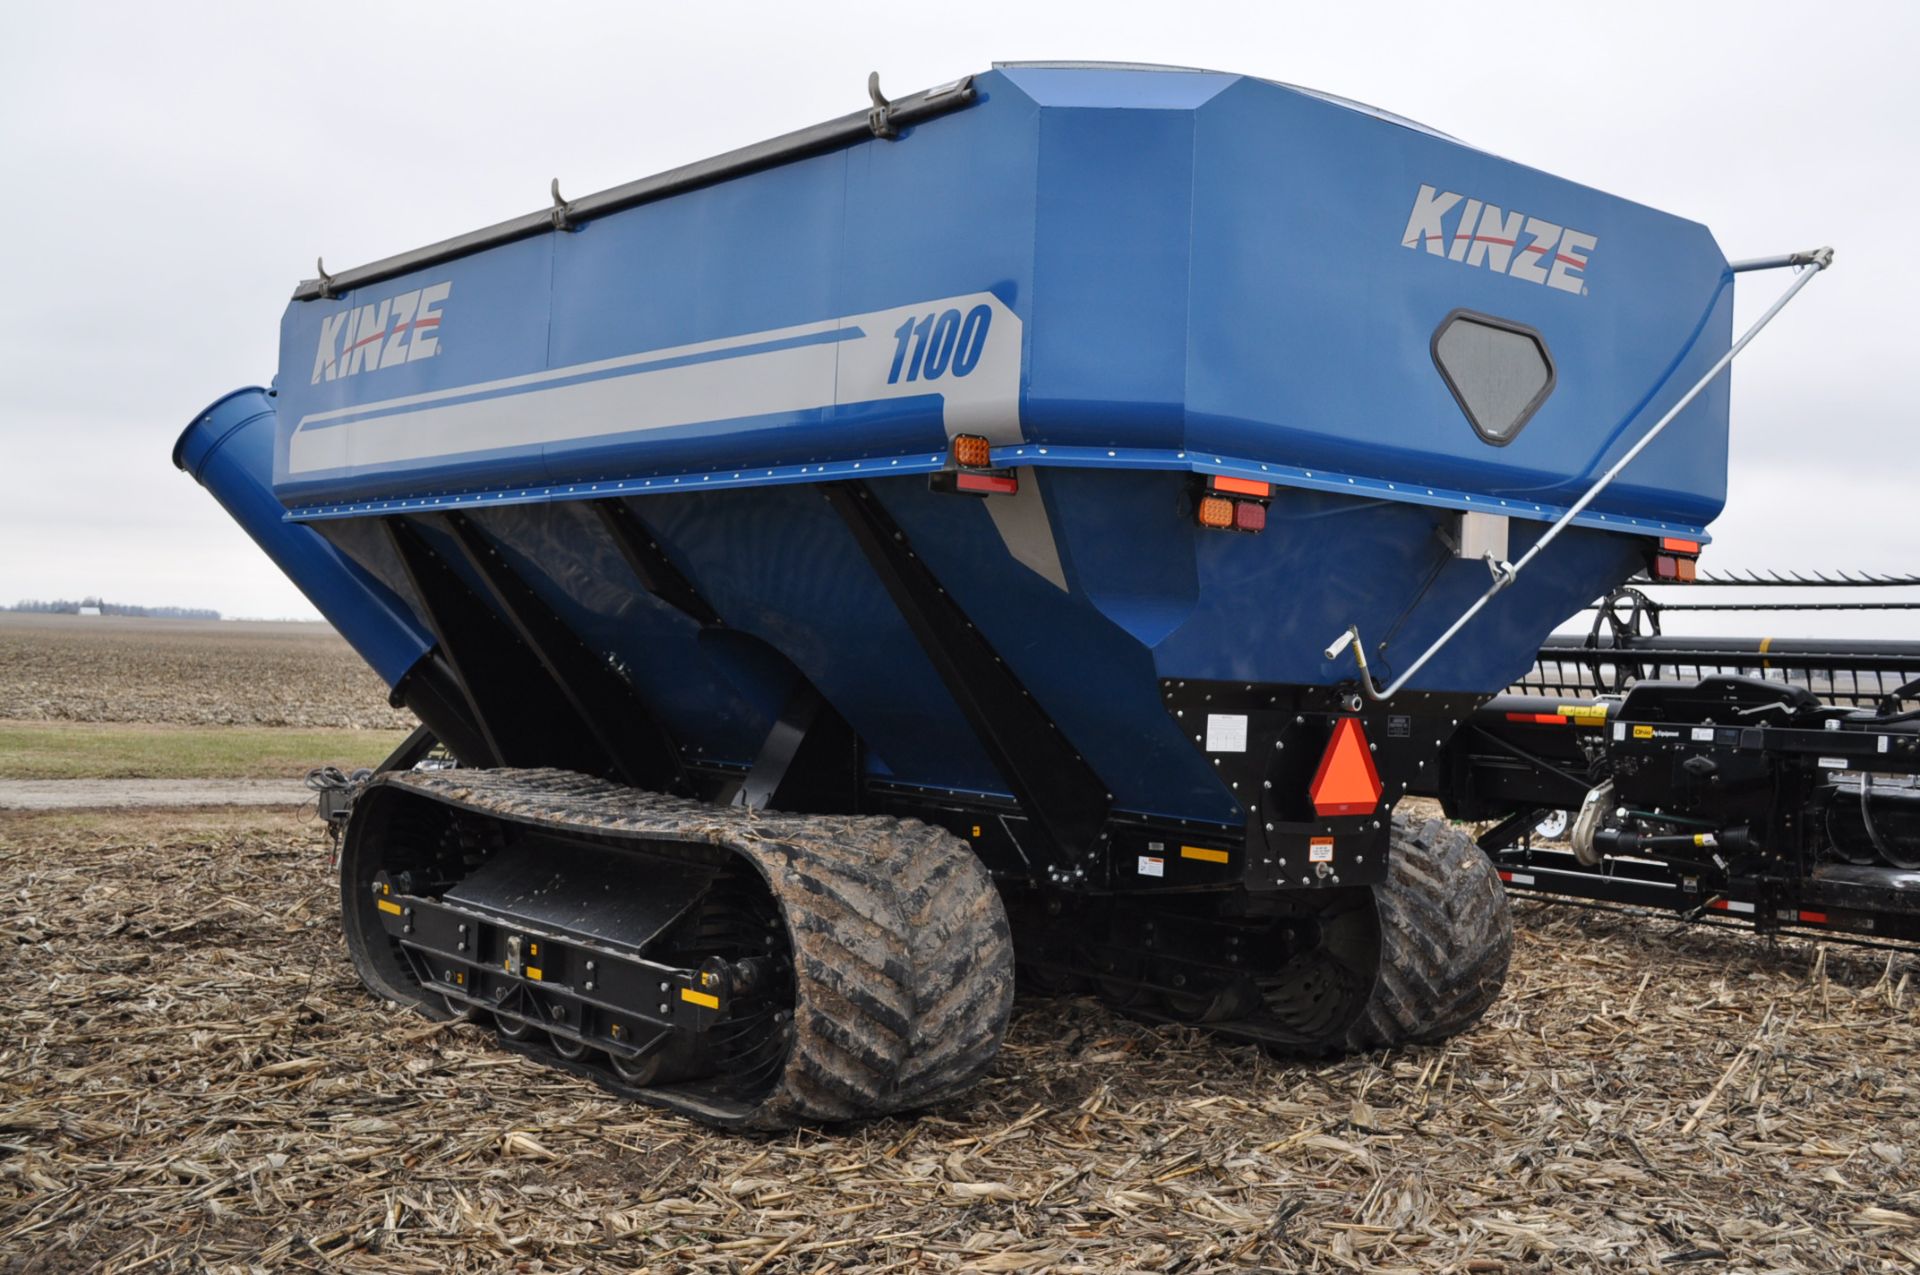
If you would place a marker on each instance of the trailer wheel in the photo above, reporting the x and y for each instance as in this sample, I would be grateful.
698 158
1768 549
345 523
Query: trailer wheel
1445 938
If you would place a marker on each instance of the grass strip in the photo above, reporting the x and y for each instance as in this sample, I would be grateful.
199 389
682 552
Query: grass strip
114 750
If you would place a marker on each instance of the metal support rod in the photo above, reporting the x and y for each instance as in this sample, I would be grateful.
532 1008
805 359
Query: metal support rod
1821 257
1504 573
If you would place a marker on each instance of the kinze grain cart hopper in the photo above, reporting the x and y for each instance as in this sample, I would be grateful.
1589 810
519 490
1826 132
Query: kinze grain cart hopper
854 563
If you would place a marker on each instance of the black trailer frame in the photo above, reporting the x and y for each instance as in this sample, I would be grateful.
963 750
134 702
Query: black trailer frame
1572 723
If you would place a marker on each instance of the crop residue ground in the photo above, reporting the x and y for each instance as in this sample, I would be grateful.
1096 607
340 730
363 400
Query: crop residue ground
186 672
191 1077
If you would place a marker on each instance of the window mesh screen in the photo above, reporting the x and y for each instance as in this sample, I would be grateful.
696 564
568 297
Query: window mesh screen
1499 372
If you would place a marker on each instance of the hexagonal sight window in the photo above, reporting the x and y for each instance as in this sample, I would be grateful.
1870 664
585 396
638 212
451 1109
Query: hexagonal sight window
1499 372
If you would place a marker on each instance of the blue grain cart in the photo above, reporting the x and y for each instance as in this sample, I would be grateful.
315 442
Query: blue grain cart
853 565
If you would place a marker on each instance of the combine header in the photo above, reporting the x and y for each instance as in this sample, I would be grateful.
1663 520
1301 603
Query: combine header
1759 780
861 562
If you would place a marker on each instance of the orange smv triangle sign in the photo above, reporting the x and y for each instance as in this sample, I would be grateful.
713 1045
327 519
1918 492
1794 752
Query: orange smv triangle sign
1346 783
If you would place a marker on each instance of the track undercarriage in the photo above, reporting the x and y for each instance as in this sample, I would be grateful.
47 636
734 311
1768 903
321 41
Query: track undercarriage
748 969
760 970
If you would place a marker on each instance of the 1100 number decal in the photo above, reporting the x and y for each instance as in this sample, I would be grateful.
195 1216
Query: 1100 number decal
939 342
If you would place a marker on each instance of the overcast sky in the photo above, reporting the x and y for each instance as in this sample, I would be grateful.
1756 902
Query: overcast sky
173 169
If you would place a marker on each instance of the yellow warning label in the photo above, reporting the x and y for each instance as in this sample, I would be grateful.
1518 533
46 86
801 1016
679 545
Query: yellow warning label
388 905
1643 732
701 999
1584 714
1203 854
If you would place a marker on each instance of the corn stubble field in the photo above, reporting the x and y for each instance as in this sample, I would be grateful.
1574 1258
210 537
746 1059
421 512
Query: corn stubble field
191 1078
186 673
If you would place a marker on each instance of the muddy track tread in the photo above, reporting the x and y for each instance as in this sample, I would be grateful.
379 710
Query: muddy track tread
963 967
903 959
1445 939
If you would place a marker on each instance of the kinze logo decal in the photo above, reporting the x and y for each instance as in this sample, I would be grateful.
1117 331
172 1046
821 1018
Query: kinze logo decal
398 330
1507 243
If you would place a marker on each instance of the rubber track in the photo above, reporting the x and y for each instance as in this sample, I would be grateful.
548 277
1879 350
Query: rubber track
903 960
1445 938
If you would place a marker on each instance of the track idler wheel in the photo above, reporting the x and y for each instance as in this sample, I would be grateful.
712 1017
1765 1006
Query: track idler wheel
1416 958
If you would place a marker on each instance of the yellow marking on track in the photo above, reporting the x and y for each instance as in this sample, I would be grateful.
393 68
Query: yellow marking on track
701 999
1203 854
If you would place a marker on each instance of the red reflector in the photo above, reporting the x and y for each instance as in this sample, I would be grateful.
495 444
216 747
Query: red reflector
1814 918
1541 719
1249 515
1673 544
1005 484
1242 486
1346 783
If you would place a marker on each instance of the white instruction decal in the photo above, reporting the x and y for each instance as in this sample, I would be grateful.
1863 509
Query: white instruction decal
1226 732
1703 734
1152 867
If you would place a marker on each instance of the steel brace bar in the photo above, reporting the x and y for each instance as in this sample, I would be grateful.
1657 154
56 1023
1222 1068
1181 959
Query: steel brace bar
1806 264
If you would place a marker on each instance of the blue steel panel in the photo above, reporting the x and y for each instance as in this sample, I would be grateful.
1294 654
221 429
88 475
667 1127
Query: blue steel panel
1109 329
945 210
1094 677
1112 88
1411 492
720 707
743 256
229 449
1311 320
1133 219
491 323
1181 272
1226 606
778 564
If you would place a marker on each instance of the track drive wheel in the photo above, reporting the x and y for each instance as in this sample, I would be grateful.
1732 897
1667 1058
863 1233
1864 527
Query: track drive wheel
903 964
